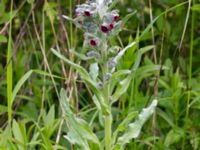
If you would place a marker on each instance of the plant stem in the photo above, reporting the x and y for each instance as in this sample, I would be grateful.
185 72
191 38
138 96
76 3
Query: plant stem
108 117
108 121
71 26
108 131
190 63
190 68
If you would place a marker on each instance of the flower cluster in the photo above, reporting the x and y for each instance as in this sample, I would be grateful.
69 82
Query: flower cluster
97 21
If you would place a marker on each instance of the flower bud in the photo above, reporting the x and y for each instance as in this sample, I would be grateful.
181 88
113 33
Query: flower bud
100 85
111 64
93 54
116 17
107 76
111 26
87 13
93 42
104 28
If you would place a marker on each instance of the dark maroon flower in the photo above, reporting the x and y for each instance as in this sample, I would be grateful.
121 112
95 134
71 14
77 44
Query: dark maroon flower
111 26
87 13
93 42
104 28
115 17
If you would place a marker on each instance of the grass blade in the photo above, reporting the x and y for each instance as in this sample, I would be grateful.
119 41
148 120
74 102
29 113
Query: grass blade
9 71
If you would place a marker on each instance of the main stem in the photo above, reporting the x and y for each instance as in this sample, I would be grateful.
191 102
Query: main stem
108 121
108 131
108 117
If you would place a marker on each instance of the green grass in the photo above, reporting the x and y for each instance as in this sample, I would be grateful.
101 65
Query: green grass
42 63
9 72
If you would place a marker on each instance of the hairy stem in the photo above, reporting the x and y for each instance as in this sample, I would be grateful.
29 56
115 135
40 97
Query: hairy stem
108 117
108 131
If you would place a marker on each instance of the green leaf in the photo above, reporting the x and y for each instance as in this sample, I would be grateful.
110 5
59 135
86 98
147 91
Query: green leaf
50 117
127 17
50 122
122 52
4 137
2 8
18 135
134 128
19 84
49 8
94 71
25 77
7 16
80 132
114 2
124 84
120 73
174 136
3 109
147 70
80 55
121 89
3 39
147 29
124 124
46 142
196 7
30 1
166 117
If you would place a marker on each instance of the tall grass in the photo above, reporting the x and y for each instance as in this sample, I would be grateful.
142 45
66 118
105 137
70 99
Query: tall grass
53 102
9 72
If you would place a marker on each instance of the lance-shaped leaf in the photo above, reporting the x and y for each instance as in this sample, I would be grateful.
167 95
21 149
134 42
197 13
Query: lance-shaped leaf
94 71
124 84
127 17
79 130
123 125
134 128
122 52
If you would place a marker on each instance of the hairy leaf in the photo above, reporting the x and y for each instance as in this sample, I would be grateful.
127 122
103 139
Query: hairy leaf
79 130
134 128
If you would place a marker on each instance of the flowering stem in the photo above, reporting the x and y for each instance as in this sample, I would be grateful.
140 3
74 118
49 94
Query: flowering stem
108 117
108 131
108 120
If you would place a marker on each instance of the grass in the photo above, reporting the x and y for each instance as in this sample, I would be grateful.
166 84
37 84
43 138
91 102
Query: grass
9 72
47 94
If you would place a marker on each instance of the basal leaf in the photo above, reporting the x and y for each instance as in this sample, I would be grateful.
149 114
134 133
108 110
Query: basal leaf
80 132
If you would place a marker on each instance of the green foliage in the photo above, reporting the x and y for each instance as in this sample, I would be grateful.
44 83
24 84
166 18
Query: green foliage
79 131
33 115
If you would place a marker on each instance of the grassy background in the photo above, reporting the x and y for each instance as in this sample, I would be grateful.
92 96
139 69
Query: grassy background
31 76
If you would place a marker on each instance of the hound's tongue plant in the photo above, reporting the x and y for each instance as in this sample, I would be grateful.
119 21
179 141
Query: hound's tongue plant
99 24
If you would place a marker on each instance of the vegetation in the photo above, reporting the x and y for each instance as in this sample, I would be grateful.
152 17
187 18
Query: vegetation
114 75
